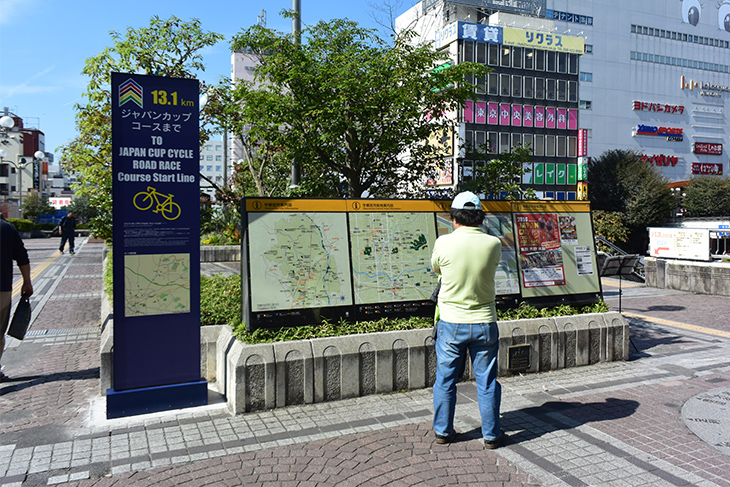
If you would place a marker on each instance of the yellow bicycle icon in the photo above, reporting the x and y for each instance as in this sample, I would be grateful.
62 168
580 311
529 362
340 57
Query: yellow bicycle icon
164 204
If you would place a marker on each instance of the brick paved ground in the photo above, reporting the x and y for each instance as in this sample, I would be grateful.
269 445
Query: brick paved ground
608 424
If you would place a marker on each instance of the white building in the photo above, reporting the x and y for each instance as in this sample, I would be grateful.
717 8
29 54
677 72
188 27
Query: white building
655 76
214 165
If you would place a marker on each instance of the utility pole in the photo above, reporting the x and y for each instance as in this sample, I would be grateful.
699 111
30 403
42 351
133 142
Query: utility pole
296 27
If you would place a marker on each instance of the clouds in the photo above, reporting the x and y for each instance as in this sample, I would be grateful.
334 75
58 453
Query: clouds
12 10
26 87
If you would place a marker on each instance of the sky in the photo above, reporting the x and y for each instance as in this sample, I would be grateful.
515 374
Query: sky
44 43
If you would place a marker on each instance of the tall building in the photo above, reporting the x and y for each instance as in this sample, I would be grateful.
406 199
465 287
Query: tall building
213 162
21 172
654 76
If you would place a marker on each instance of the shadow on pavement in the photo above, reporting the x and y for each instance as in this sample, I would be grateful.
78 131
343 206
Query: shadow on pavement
527 424
14 384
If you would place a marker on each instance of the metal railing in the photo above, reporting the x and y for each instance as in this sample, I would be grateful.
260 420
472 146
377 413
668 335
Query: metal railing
637 271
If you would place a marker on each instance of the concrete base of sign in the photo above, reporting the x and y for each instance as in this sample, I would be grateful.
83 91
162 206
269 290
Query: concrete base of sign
267 376
687 275
155 399
220 253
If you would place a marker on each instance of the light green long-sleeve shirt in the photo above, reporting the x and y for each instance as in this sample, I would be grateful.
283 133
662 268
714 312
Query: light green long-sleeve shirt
467 260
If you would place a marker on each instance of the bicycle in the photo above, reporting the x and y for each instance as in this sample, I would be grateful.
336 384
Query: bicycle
144 199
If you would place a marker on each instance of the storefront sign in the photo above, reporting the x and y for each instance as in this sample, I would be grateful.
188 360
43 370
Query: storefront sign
657 107
706 169
669 132
469 31
568 17
660 160
582 142
543 40
706 148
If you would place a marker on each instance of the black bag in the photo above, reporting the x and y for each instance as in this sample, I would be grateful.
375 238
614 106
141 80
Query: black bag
21 319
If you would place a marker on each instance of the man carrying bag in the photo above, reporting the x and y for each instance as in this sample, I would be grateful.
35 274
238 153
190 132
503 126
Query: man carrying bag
12 249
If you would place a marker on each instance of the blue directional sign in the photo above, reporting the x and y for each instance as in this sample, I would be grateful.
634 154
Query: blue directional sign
156 259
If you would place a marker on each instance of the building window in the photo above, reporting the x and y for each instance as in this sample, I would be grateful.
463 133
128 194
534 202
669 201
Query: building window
540 88
572 63
549 146
562 90
469 139
468 51
481 53
528 92
209 168
504 143
208 158
561 152
517 86
585 105
492 143
493 84
494 54
586 77
506 55
551 61
572 146
218 158
562 62
539 145
209 148
201 168
504 85
218 147
539 60
517 57
529 58
572 91
550 89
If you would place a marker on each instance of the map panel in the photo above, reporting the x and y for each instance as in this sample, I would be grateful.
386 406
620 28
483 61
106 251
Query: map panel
298 260
391 256
499 225
156 284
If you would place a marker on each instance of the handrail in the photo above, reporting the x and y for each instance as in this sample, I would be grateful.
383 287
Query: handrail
638 269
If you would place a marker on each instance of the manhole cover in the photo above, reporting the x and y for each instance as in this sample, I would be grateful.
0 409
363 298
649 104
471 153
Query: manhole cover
708 416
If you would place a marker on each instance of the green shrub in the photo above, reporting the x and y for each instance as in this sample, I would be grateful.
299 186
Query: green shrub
44 226
109 277
22 225
220 300
217 239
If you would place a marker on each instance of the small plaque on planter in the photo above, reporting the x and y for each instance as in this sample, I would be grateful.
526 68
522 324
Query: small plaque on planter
518 357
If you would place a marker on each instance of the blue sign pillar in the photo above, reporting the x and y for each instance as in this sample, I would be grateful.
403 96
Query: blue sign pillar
156 236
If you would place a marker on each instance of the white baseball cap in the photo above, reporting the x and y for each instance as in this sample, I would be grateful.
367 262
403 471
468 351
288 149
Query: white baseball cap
466 201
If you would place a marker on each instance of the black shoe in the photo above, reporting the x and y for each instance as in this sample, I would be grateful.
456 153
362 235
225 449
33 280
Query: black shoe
72 252
60 250
442 440
495 443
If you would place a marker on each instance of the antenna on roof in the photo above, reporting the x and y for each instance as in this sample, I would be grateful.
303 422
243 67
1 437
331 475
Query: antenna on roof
262 18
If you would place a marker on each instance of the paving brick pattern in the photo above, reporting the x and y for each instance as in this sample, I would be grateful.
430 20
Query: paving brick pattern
608 424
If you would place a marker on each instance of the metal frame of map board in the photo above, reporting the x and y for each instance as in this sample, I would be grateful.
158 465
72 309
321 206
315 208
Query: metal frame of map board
353 308
557 263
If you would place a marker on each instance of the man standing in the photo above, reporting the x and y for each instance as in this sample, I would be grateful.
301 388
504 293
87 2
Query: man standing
12 249
467 260
67 229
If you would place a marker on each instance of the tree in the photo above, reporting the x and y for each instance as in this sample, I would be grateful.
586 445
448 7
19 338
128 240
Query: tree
707 196
168 47
347 106
502 174
35 205
83 210
619 180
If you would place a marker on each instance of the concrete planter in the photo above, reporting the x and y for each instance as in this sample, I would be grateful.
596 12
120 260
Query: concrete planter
686 275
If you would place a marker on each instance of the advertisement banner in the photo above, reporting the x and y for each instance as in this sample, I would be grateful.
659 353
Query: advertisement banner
516 115
481 112
543 40
493 114
156 229
562 118
572 119
539 117
469 112
540 252
550 117
527 116
504 114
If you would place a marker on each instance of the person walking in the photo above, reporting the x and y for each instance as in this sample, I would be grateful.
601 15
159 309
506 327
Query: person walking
12 249
467 261
67 230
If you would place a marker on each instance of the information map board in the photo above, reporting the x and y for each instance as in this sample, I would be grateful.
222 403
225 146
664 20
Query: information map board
364 259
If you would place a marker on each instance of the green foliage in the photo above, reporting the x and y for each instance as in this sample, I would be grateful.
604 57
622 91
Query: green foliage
496 175
83 210
610 225
169 47
35 205
109 276
220 300
21 225
707 196
346 106
328 329
217 239
619 181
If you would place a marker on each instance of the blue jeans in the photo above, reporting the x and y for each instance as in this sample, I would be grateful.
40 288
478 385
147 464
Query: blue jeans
452 342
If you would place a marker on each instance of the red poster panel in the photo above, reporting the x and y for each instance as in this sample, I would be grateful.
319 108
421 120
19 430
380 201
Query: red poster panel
572 119
504 114
527 116
493 114
469 112
562 118
541 256
516 115
550 117
539 117
481 112
706 169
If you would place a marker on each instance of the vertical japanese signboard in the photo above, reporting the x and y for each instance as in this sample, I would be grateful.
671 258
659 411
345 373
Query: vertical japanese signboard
155 154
